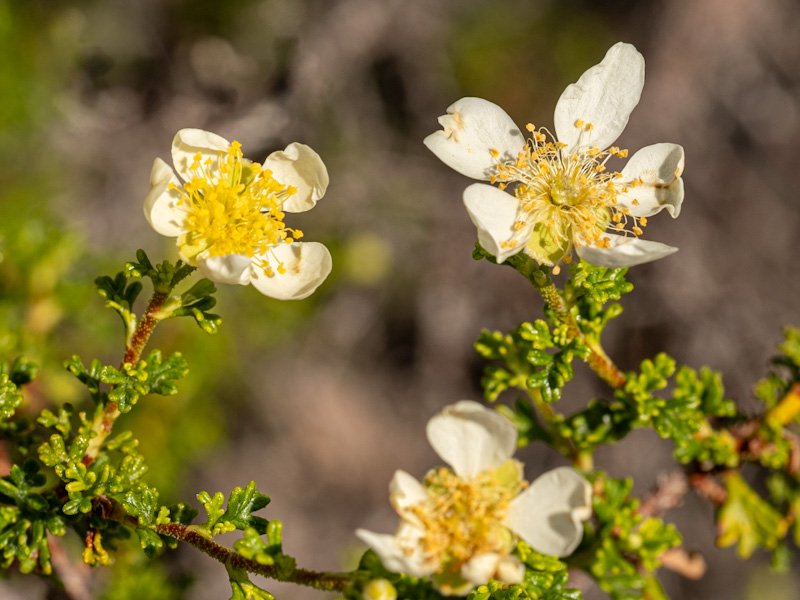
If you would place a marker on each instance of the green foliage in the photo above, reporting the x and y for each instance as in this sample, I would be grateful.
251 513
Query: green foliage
243 589
622 547
599 423
151 375
746 519
131 382
10 399
546 578
195 302
237 514
120 296
252 546
653 410
85 482
597 285
588 291
535 359
524 418
27 514
785 370
88 377
784 491
684 416
537 275
22 371
165 276
120 293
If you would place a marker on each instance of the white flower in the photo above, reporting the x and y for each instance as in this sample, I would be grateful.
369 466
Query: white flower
460 525
228 213
563 195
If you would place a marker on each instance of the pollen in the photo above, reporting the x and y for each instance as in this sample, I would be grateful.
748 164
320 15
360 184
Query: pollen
571 193
234 209
463 517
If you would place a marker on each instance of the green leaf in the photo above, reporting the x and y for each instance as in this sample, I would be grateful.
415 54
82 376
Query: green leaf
10 398
150 542
237 515
89 377
22 371
748 520
142 504
624 547
599 423
533 357
243 589
151 375
196 302
165 276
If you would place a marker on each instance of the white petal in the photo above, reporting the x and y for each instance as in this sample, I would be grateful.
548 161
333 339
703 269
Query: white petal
301 167
604 96
624 252
393 550
161 204
473 127
405 491
494 213
481 567
233 269
189 142
657 170
549 513
307 265
471 438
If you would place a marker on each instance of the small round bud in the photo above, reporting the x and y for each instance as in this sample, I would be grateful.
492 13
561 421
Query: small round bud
379 589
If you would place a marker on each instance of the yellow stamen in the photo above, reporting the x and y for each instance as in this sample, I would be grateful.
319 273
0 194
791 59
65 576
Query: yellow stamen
233 209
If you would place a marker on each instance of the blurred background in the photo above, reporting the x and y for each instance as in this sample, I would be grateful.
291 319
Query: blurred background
321 400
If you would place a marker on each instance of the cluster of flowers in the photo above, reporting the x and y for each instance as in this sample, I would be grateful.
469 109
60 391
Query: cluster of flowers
553 195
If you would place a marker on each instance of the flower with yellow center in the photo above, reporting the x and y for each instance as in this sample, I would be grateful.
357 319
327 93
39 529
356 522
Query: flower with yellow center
562 195
460 525
228 213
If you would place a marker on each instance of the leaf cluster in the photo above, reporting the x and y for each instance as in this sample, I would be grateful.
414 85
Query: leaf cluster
589 291
121 292
153 375
536 359
621 547
237 512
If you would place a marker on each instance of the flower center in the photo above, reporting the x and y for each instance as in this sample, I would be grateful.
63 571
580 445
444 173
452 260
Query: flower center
566 197
464 517
235 209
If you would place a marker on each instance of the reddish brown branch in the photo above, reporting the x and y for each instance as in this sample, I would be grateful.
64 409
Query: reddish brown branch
666 495
322 581
598 361
144 329
709 488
